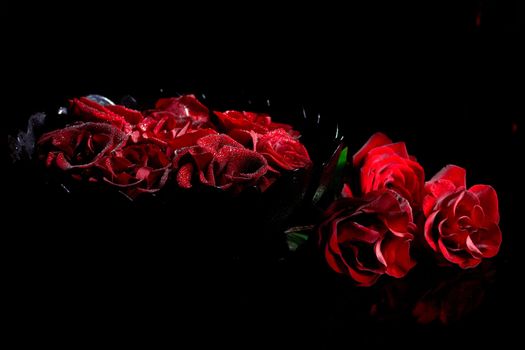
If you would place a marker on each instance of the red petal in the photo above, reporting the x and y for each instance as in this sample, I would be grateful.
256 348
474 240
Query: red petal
464 204
50 159
477 216
398 148
463 261
184 175
346 192
348 231
429 227
61 162
488 200
436 190
336 261
396 253
334 258
486 241
452 173
143 173
132 116
190 139
185 106
376 140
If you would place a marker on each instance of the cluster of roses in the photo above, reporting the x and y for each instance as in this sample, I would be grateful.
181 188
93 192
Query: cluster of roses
178 141
375 233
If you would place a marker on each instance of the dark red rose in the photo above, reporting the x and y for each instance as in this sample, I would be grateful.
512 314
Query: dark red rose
119 116
461 225
219 161
385 164
80 146
282 151
161 128
184 109
137 168
367 237
250 121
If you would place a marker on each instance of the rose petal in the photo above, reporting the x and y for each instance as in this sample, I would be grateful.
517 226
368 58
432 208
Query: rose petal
487 241
463 261
376 140
184 175
398 149
396 253
452 173
186 106
488 200
464 204
428 230
477 216
346 191
132 116
348 231
436 190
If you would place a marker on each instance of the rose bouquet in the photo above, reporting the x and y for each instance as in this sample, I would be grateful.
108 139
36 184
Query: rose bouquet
178 188
226 180
139 152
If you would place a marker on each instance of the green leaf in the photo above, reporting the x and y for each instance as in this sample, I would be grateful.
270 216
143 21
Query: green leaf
297 236
332 176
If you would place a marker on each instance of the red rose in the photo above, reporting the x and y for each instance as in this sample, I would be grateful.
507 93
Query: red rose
250 121
219 161
461 225
136 168
161 128
184 109
282 151
80 146
367 237
387 165
119 116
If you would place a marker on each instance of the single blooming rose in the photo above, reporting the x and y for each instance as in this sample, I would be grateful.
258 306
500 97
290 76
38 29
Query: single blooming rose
119 116
384 164
219 161
136 168
282 151
461 225
367 237
80 146
184 109
260 123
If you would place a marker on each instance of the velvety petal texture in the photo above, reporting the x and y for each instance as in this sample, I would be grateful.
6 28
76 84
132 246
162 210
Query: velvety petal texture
260 123
387 165
219 161
137 169
184 109
80 146
282 151
461 225
367 237
140 152
90 111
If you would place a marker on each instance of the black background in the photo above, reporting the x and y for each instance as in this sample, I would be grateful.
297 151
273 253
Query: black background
455 97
